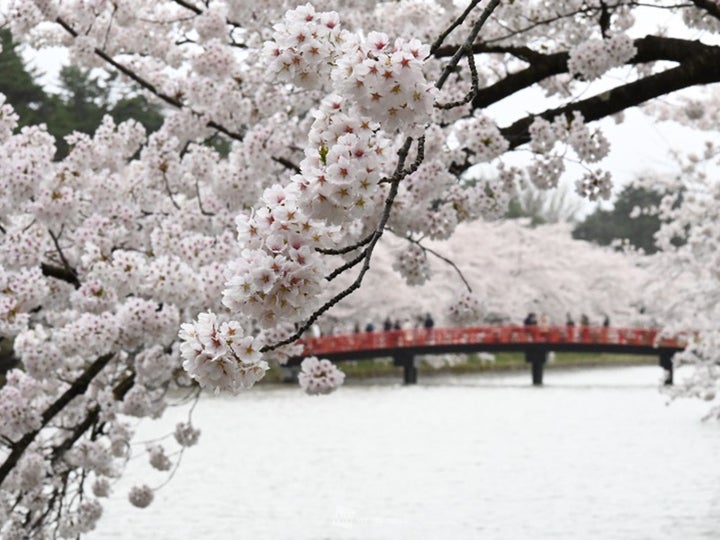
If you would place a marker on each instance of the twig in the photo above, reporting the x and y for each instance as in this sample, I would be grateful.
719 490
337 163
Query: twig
389 200
475 80
77 388
419 158
468 43
69 270
442 258
401 172
197 190
286 163
167 188
441 38
147 85
347 266
348 249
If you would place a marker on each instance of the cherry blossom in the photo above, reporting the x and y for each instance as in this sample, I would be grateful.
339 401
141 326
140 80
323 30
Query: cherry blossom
319 376
295 138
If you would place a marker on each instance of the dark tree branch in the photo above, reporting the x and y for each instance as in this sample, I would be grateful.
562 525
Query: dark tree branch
189 6
389 200
713 8
147 85
702 68
119 392
461 19
66 268
650 49
287 164
348 249
468 42
77 388
347 266
60 273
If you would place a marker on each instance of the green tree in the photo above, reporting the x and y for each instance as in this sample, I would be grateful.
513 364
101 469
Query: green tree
83 100
604 226
17 83
86 98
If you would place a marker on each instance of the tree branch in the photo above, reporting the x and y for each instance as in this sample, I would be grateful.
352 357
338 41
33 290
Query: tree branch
703 68
57 272
708 5
66 269
286 163
147 85
119 392
348 249
649 49
468 43
441 257
389 200
77 388
461 19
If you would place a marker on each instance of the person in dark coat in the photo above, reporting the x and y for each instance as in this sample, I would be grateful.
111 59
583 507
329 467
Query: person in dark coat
429 322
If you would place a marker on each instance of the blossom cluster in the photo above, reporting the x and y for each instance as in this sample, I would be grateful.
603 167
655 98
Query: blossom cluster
289 135
465 309
592 58
384 79
412 264
548 164
319 376
221 356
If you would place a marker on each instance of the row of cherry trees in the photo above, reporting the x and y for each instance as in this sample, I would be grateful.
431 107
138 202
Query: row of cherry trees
138 263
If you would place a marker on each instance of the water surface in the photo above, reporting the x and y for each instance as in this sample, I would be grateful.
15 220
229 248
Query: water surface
596 453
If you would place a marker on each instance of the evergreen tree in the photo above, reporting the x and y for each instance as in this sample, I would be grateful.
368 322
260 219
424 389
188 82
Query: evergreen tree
604 226
83 100
17 83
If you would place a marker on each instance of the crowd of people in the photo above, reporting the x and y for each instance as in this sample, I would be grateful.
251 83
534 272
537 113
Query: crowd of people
427 321
544 321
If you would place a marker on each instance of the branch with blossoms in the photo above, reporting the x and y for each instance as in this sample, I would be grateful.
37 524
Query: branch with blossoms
78 387
444 259
320 121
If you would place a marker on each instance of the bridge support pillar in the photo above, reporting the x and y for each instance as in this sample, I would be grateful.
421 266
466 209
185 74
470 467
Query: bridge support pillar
667 364
407 361
536 359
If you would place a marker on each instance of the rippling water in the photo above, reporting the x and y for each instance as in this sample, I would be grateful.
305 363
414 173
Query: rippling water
593 454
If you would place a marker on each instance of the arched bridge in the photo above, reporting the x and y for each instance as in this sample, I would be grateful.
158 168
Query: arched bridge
535 341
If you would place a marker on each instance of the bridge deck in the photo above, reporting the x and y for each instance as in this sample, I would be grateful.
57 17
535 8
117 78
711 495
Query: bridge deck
491 338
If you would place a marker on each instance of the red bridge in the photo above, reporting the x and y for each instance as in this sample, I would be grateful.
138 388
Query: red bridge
535 341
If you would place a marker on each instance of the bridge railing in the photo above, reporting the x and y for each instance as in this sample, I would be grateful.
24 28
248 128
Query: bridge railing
398 339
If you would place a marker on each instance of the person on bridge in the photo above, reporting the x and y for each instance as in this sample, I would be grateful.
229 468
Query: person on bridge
429 322
570 324
531 319
370 327
387 325
606 321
